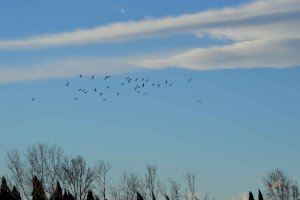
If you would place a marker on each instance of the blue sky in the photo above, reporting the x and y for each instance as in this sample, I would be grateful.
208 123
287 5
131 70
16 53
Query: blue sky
242 57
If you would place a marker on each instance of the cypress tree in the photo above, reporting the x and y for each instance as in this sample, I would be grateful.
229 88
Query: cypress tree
15 194
90 195
65 196
260 196
38 192
251 197
139 196
5 193
70 196
57 194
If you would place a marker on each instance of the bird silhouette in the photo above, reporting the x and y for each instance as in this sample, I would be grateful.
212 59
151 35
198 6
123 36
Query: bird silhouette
93 77
104 99
68 83
158 85
118 94
33 99
136 79
95 90
101 94
76 98
107 87
171 84
80 76
122 84
153 84
79 89
166 82
189 80
129 80
106 77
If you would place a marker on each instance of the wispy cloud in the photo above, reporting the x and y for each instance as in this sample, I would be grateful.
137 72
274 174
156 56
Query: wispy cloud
63 68
258 12
119 10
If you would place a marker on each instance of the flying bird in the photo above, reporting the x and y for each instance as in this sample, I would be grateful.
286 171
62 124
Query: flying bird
118 94
104 99
95 90
93 77
79 89
76 98
106 77
122 84
189 80
67 84
33 99
101 94
80 76
107 87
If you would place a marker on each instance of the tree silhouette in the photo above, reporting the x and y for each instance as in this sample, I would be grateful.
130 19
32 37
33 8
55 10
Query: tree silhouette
90 195
38 192
5 193
260 196
251 197
15 194
57 194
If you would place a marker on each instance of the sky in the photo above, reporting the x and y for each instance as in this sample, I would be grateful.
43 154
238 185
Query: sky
242 57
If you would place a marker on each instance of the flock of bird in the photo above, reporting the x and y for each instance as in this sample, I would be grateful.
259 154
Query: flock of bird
138 85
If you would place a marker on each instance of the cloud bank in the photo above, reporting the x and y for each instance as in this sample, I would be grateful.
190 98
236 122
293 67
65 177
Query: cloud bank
263 33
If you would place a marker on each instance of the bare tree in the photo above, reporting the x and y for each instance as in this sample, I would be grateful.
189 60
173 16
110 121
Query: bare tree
280 187
78 176
38 160
101 173
190 180
18 172
172 191
151 182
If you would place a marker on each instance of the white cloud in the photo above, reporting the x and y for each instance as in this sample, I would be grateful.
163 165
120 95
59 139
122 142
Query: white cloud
63 68
257 12
264 33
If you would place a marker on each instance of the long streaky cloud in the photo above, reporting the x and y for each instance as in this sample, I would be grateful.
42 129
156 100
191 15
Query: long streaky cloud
263 33
252 13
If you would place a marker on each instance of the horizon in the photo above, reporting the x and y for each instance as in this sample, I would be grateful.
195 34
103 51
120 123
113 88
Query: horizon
231 112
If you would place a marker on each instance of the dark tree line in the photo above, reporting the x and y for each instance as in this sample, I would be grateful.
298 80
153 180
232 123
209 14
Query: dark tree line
44 172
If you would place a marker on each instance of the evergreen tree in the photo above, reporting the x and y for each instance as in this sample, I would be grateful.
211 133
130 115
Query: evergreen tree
38 192
139 196
57 194
65 196
70 196
251 197
90 195
5 193
260 196
15 194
